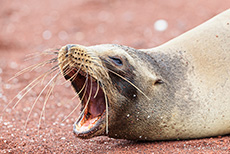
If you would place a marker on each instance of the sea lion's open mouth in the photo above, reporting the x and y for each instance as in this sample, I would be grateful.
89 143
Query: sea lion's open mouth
93 104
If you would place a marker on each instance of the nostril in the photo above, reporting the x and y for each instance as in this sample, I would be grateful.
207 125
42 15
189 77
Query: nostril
69 46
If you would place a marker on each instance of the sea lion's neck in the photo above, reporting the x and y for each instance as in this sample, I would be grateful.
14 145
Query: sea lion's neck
203 47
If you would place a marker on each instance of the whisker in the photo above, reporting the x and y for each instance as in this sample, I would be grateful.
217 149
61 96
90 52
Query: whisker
49 50
53 69
74 76
52 51
71 112
66 69
29 57
84 90
97 84
45 102
106 112
77 104
95 95
90 93
129 83
32 67
27 91
83 87
26 88
124 79
86 81
35 82
27 119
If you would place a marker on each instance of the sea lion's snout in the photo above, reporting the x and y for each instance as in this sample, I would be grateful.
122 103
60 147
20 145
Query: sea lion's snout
84 72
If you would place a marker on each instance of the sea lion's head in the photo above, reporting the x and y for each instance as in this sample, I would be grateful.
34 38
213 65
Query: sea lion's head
112 82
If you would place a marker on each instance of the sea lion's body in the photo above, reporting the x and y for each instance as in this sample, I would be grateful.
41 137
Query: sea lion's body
179 90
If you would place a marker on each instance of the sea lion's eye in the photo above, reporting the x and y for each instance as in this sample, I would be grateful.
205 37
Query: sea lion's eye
116 60
159 81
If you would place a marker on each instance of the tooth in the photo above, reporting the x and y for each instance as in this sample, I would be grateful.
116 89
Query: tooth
77 127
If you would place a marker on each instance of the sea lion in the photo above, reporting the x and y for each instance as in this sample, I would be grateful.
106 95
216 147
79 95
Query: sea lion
179 90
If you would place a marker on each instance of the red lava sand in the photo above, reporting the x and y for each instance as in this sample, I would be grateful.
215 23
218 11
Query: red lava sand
33 26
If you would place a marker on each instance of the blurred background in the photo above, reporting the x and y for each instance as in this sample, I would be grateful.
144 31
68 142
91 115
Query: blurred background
43 24
29 26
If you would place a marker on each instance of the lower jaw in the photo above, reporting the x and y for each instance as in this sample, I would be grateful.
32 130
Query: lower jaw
86 127
85 133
